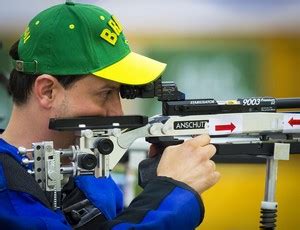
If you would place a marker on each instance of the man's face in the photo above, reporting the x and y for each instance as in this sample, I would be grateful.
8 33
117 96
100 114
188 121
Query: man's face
90 96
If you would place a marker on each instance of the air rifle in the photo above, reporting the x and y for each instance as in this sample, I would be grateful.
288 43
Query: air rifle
251 127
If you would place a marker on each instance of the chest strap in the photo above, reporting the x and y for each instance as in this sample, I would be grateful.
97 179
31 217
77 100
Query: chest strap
18 179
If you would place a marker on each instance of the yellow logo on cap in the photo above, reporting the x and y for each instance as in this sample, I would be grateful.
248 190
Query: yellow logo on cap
26 35
110 36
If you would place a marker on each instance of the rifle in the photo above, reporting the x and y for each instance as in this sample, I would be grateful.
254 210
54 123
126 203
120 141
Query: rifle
247 126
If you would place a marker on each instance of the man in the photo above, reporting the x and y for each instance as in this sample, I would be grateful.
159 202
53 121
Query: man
70 62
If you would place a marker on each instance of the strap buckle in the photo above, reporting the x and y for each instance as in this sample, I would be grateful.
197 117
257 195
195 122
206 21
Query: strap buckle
19 66
26 67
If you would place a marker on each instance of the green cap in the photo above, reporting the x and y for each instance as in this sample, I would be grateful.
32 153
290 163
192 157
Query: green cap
75 39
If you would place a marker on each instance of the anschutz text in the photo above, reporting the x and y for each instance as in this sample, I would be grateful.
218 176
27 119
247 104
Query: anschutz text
190 124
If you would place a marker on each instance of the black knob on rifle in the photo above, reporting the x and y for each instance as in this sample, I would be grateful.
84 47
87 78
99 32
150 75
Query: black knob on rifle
105 146
87 161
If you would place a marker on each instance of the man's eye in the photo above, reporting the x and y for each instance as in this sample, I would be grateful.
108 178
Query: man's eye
106 94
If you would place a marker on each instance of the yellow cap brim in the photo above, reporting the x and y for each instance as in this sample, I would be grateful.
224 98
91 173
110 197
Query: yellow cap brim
133 69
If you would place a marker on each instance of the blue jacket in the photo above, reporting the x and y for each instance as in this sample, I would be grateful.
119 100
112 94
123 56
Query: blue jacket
163 204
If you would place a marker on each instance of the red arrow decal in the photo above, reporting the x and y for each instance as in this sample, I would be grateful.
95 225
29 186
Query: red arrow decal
293 122
230 127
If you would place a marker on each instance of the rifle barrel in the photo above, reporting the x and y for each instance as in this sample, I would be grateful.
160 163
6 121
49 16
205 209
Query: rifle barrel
288 103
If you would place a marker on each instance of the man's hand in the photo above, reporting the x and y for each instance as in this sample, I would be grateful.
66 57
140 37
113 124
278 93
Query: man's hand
190 163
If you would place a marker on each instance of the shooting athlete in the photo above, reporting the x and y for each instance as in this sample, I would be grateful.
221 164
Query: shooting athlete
69 62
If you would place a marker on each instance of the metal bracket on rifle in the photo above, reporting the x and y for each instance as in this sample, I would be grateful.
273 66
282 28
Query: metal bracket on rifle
47 171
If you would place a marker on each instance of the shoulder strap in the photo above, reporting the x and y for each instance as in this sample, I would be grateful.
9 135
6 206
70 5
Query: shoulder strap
19 180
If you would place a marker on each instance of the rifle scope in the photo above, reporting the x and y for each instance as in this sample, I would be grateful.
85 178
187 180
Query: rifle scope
174 102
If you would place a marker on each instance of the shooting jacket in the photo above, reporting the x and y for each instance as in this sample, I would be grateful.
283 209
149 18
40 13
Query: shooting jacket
92 203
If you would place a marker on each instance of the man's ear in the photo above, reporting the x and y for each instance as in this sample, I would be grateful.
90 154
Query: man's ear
45 90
